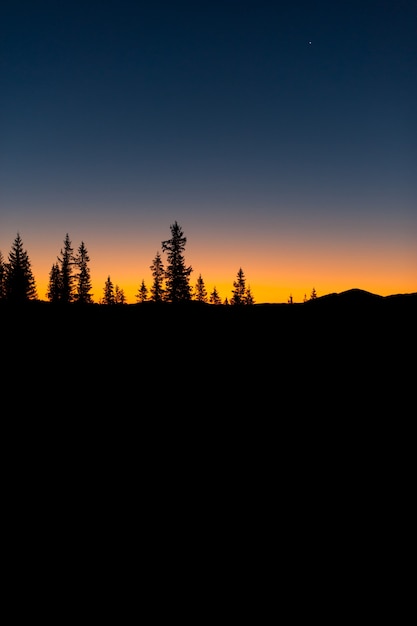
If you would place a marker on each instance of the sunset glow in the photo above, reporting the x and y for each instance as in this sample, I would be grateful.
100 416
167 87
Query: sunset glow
280 136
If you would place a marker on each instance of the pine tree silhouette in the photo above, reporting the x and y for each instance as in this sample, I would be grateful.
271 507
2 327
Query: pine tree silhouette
177 274
20 285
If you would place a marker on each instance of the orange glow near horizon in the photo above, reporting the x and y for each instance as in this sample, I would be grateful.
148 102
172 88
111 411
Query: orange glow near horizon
277 261
274 283
293 162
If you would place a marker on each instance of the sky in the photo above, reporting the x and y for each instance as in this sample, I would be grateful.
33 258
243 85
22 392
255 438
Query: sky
280 135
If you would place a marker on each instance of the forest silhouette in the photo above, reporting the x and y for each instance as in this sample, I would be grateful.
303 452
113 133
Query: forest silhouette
173 353
70 282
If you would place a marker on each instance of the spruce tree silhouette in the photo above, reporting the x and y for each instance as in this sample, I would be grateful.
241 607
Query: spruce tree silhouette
239 291
19 282
200 292
214 296
108 292
54 286
66 267
177 274
83 280
158 272
2 277
142 293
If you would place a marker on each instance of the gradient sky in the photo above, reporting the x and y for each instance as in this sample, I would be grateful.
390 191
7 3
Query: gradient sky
280 135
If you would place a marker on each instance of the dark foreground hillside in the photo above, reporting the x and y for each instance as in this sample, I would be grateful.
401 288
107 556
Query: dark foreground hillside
189 421
191 359
217 332
285 393
196 320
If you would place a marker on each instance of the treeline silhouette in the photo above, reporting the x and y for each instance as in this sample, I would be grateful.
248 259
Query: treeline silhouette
173 355
70 285
70 278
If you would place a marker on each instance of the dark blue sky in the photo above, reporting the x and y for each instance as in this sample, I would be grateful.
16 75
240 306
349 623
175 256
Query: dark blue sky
224 107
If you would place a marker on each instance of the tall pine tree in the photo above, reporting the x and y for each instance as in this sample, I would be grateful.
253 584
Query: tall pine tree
20 285
177 274
158 272
54 286
2 277
82 278
66 267
239 291
108 292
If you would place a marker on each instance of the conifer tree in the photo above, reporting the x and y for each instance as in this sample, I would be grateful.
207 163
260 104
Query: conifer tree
2 277
20 285
119 295
82 278
66 266
142 294
54 286
214 297
158 273
177 274
313 294
108 296
239 291
248 298
200 290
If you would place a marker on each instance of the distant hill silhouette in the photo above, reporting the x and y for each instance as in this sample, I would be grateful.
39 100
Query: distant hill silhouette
360 297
